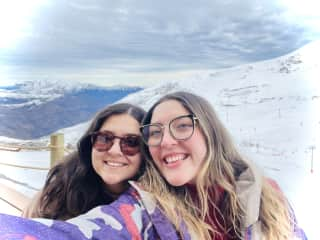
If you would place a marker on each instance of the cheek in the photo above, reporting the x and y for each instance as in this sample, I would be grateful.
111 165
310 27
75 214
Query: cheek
95 158
136 160
199 142
202 150
154 152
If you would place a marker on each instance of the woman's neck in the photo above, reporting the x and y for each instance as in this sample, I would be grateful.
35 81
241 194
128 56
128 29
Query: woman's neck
115 190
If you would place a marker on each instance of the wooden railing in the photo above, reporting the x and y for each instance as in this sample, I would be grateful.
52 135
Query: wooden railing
14 199
56 148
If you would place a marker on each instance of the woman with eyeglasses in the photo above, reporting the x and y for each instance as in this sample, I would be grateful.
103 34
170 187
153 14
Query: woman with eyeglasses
107 156
203 181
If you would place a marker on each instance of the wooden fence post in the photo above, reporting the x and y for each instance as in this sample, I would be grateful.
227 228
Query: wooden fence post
57 148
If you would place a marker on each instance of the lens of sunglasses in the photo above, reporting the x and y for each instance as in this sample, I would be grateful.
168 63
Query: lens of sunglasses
103 141
130 145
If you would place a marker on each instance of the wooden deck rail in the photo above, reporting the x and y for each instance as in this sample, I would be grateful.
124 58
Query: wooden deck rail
56 148
12 201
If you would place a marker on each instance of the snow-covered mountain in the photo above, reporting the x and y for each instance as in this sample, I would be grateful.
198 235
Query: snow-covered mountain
40 91
38 108
36 92
277 89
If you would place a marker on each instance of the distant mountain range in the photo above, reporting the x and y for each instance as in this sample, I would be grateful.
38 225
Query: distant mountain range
37 108
273 86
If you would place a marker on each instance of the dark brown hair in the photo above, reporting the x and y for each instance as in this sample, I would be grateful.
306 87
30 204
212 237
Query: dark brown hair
73 187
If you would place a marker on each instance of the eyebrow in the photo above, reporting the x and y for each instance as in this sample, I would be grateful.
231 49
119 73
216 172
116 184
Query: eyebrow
183 114
120 135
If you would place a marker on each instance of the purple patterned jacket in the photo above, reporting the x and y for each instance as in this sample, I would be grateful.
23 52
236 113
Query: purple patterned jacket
133 216
127 218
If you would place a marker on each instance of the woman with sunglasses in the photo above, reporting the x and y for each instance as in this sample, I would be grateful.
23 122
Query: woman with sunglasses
203 180
96 175
108 155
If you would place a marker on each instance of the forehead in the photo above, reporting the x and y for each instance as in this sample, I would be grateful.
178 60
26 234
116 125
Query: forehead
121 124
167 111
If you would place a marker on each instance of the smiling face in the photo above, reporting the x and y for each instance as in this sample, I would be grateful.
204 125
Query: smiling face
179 161
114 167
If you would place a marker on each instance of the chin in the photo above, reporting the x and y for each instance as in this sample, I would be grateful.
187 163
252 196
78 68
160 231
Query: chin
177 182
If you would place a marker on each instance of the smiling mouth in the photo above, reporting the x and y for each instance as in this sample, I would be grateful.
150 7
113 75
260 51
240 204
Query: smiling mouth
175 158
115 164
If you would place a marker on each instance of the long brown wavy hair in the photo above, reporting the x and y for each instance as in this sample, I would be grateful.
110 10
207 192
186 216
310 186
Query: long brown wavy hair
222 166
73 187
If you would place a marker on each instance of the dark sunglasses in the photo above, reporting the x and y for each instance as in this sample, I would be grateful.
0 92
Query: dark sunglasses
103 141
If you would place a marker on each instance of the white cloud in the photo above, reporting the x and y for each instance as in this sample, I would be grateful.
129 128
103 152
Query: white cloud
141 36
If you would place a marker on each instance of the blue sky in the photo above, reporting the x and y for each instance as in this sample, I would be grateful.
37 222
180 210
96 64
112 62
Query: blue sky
138 42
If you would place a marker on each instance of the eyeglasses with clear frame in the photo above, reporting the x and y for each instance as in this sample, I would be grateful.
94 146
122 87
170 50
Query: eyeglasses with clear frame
180 128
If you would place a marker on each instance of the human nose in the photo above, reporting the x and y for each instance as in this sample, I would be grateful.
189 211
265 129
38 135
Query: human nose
167 138
115 148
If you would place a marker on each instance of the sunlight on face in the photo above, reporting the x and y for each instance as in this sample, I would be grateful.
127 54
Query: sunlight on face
15 17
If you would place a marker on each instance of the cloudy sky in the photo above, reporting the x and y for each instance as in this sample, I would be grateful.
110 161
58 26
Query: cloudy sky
137 42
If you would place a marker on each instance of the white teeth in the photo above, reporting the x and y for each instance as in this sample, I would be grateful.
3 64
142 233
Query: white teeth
115 164
175 158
